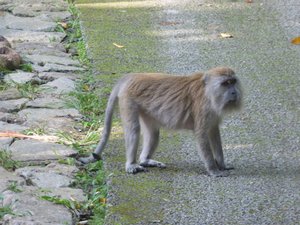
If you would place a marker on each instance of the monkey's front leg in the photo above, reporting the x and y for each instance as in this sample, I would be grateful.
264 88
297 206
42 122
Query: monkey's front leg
216 145
208 158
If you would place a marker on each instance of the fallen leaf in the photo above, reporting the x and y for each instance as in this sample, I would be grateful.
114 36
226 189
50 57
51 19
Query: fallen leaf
118 46
296 41
169 23
249 1
226 35
64 25
102 200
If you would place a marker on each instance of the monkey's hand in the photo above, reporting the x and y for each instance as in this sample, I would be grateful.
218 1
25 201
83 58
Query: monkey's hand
90 159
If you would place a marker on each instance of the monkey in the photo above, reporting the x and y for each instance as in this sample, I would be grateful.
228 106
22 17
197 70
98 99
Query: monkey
150 101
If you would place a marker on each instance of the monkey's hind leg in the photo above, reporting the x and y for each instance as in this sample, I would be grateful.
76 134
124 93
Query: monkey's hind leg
150 141
129 115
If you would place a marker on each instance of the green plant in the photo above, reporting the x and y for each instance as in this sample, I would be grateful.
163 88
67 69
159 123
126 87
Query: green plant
27 67
71 204
92 180
28 90
13 186
5 210
7 162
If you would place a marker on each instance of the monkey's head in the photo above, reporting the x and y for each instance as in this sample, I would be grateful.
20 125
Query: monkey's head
223 89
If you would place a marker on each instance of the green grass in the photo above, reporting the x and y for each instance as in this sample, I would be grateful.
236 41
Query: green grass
7 162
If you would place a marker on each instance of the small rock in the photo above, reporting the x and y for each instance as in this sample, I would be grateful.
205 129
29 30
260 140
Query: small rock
7 177
61 85
5 142
8 94
29 209
37 48
29 24
19 77
44 59
31 150
55 75
11 127
9 59
12 105
51 67
46 102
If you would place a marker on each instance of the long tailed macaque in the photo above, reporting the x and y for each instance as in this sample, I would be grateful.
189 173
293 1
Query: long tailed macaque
150 101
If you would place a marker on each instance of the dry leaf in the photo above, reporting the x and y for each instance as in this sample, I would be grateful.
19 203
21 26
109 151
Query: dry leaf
118 46
169 23
102 200
64 25
226 35
296 41
249 1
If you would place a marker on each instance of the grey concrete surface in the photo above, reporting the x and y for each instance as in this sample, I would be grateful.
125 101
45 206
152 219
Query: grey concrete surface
261 141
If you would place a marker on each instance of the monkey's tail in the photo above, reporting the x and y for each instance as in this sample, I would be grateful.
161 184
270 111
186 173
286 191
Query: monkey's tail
107 122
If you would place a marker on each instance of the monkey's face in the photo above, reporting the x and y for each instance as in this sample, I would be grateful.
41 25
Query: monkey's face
224 92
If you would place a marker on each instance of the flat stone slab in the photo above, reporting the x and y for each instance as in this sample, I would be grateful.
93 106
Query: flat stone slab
27 23
29 48
7 178
13 105
11 93
19 77
55 75
61 85
31 36
29 209
44 179
66 193
51 67
51 59
5 143
11 127
49 118
46 102
31 150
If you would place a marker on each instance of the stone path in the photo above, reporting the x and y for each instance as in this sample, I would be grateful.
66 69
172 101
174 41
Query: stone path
29 26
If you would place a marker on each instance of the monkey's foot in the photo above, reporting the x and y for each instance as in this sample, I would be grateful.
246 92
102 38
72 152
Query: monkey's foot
218 173
153 163
135 168
90 159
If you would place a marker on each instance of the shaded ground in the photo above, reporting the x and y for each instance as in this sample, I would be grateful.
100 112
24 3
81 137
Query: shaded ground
261 142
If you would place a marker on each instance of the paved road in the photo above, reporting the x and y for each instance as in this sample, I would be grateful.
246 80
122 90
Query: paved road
261 142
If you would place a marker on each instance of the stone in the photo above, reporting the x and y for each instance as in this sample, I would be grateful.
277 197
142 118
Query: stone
31 36
54 167
61 85
54 75
50 67
45 59
8 94
4 42
11 127
19 77
13 105
5 142
35 151
46 102
7 177
55 16
45 179
67 193
33 48
9 58
29 24
29 209
57 119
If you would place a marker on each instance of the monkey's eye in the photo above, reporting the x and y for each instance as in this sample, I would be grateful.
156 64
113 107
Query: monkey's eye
228 82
